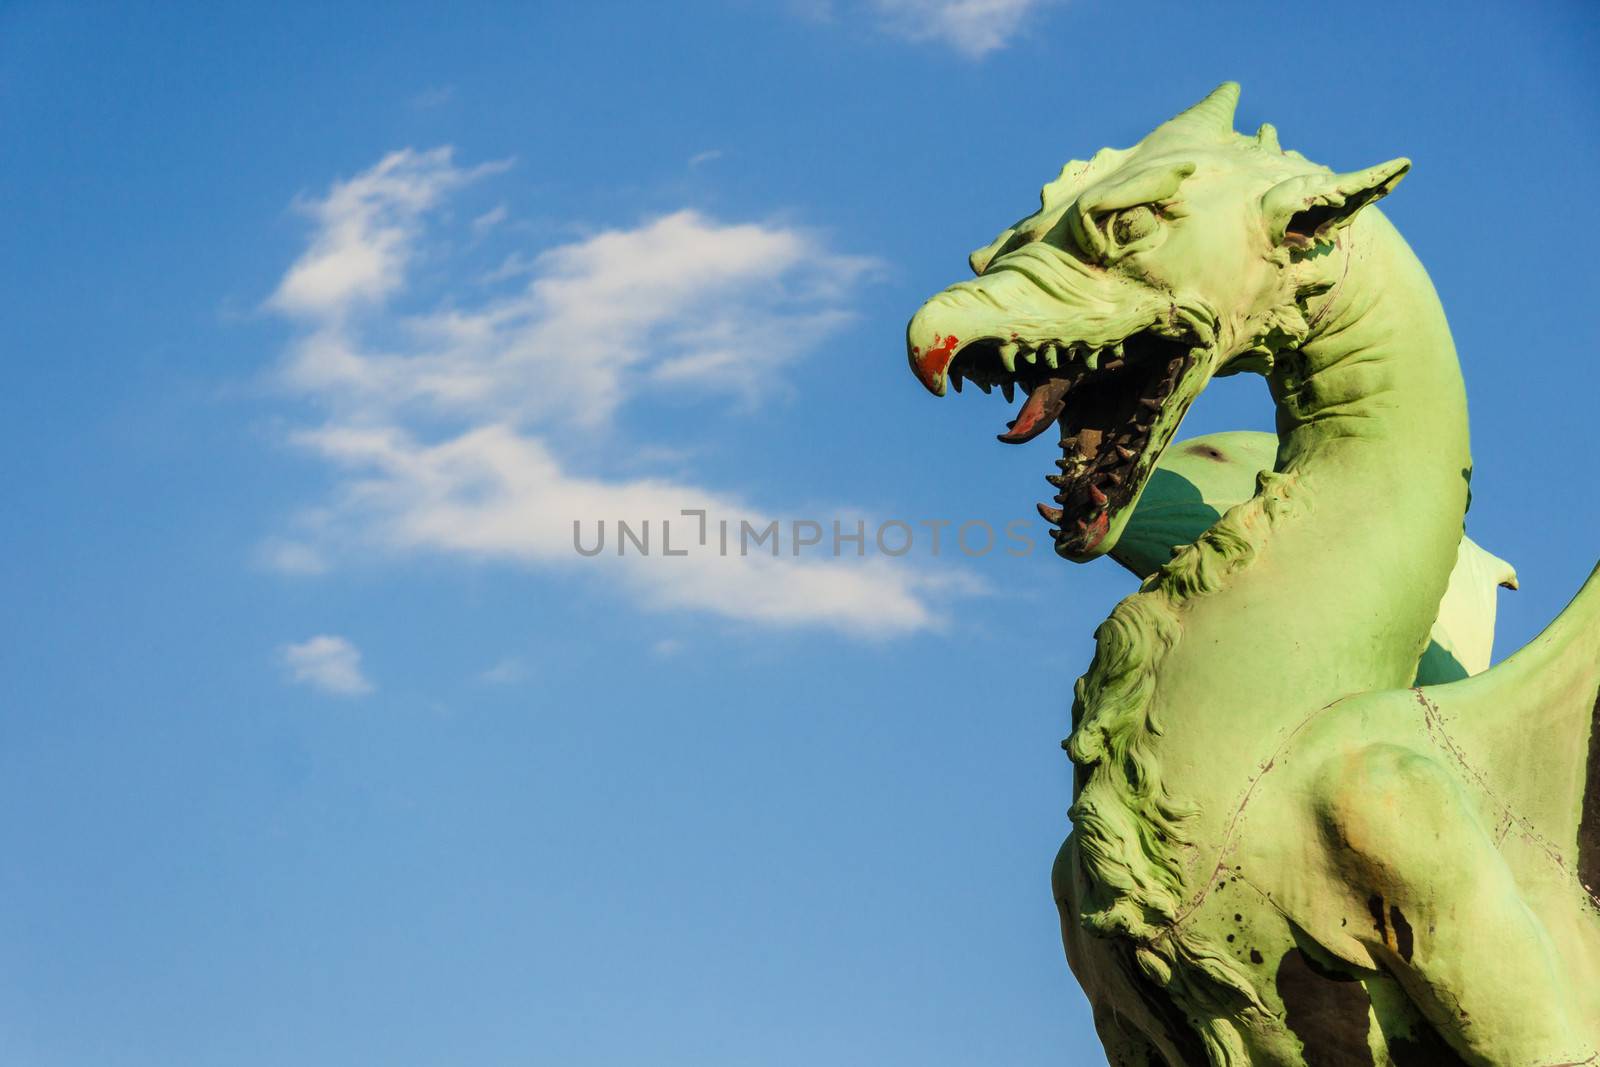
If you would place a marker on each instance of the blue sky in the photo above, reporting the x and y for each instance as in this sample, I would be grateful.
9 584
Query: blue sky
319 744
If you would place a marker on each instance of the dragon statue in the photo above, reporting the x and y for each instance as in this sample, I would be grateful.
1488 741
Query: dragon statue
1308 826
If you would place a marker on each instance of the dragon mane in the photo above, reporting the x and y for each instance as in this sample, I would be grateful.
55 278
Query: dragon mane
1129 826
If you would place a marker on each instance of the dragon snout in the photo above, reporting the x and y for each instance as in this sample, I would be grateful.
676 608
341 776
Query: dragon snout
956 317
933 337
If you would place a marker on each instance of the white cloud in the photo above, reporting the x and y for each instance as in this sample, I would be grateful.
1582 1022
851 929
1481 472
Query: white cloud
291 557
513 265
445 423
436 96
973 27
489 220
365 231
494 494
327 662
680 299
508 671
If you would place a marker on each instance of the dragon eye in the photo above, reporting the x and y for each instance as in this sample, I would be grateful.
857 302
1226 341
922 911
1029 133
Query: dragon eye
1133 225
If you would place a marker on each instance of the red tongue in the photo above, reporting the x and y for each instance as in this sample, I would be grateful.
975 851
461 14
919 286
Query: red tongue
1043 408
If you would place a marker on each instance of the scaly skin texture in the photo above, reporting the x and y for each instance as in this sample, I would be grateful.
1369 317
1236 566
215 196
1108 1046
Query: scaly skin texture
1282 854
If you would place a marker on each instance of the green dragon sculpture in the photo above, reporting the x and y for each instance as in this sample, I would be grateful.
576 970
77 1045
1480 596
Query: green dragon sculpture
1287 848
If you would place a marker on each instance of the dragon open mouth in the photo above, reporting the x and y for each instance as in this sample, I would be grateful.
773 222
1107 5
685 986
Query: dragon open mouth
1115 406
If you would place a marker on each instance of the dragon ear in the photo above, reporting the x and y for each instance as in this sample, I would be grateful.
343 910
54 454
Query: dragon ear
1303 210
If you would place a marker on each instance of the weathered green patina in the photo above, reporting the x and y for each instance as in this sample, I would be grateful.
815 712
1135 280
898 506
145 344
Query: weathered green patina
1284 851
1199 480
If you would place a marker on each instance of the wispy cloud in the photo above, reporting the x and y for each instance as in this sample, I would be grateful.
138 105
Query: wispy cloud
508 671
489 220
445 424
495 494
329 663
365 231
681 298
436 96
290 557
973 27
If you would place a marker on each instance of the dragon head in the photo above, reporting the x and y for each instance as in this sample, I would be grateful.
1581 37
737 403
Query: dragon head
1145 273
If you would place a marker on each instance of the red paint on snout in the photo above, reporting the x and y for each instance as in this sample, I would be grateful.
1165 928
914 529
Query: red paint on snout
932 364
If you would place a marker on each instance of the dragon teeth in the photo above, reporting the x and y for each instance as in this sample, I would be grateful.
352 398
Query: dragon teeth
1008 356
1051 355
1009 388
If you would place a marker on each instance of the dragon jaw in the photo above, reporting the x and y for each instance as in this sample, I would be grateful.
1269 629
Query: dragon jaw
1116 389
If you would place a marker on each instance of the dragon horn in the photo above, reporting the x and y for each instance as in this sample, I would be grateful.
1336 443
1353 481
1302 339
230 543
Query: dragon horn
1211 117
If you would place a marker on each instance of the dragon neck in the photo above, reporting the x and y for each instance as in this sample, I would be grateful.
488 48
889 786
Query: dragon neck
1372 424
1325 583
